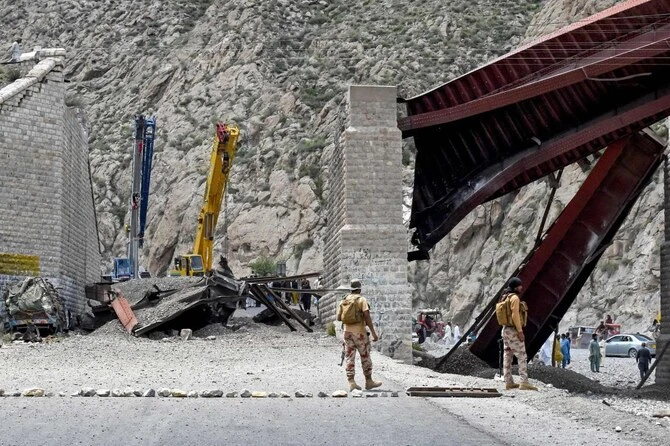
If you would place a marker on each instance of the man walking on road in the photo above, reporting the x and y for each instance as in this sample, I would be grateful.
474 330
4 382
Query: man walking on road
643 360
354 312
594 354
513 340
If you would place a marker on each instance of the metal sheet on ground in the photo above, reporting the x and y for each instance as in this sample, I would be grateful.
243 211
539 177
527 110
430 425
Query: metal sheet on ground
454 392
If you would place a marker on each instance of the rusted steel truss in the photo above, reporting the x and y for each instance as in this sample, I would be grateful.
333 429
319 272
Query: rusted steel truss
535 111
558 267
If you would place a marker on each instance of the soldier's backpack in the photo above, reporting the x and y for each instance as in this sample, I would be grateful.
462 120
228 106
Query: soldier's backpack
351 310
504 311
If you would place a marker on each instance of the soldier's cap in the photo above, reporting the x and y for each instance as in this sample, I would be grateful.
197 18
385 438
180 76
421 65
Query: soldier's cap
355 284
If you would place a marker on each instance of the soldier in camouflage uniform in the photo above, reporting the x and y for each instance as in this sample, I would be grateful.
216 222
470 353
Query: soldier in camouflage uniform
513 339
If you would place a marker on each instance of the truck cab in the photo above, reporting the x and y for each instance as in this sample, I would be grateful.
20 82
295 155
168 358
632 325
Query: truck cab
122 269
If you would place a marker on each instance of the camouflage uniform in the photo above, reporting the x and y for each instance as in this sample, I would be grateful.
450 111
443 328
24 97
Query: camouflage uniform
352 343
513 346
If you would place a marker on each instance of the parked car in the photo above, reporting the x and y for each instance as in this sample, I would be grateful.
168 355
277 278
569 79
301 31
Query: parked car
627 344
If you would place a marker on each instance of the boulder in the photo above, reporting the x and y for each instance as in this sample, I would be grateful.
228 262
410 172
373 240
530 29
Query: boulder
33 391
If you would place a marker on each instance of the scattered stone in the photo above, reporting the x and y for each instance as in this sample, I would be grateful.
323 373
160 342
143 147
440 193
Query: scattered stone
177 393
62 394
231 395
87 391
103 392
340 394
606 403
116 393
165 340
164 392
186 334
15 393
550 385
259 394
127 392
273 395
215 393
284 395
149 393
211 338
357 393
2 392
394 394
192 394
76 393
618 428
371 395
384 395
35 391
245 393
322 395
300 394
662 413
137 393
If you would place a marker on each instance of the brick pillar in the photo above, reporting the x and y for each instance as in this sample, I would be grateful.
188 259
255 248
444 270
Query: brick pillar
663 367
366 238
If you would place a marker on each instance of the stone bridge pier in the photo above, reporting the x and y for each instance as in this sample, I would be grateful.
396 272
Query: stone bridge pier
366 238
47 215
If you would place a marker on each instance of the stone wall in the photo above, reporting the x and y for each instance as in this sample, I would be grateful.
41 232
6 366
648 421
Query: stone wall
46 204
366 236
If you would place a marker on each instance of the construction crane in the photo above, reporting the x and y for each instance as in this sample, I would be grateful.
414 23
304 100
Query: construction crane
199 261
143 152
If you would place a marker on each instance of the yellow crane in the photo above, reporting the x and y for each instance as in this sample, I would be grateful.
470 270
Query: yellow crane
199 261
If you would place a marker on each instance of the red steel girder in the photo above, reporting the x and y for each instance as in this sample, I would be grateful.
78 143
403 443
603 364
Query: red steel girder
124 312
655 105
644 46
556 270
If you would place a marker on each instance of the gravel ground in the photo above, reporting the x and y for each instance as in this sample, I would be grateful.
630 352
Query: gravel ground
269 358
617 375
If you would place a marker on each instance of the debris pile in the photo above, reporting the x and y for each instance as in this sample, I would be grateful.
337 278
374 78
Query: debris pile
175 303
32 305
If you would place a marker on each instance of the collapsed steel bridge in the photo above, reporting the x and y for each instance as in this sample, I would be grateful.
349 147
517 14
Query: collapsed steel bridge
584 92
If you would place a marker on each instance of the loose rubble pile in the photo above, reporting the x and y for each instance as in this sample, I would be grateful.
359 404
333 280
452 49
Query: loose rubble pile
618 376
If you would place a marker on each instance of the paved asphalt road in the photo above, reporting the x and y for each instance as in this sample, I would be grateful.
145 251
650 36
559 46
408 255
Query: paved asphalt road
156 421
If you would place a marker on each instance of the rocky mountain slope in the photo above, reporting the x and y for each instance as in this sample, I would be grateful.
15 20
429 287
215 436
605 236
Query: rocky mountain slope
279 69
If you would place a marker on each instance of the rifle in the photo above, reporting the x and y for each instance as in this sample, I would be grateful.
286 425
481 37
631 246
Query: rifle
342 359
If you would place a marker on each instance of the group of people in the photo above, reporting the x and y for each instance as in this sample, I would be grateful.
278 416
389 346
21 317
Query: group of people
427 328
557 352
297 296
358 331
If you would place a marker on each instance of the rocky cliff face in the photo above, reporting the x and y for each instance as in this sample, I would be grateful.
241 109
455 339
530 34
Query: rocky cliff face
279 69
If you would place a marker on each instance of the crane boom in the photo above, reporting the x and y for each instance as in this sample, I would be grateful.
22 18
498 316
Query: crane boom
147 157
199 261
